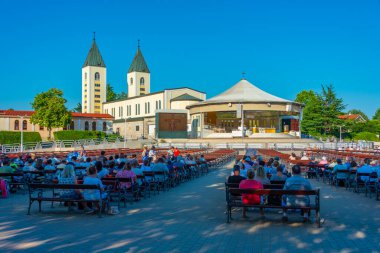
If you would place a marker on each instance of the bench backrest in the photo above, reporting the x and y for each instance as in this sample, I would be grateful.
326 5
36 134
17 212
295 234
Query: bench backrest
65 186
236 191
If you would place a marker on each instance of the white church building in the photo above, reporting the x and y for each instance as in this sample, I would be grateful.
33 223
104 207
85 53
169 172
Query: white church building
135 116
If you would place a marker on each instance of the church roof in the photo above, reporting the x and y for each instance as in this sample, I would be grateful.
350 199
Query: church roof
244 91
138 63
186 97
94 58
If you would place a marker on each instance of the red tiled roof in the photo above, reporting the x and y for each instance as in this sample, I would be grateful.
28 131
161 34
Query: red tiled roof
16 113
349 116
73 114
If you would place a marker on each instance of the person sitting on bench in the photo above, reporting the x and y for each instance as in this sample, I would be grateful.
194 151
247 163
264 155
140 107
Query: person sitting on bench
296 182
250 183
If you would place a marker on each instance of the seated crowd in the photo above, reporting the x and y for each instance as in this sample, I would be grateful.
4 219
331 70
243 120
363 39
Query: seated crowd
78 168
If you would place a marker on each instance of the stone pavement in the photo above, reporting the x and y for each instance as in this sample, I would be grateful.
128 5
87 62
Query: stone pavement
190 218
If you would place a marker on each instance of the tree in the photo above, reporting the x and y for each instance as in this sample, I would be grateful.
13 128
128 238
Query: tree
312 122
111 95
356 111
50 110
377 115
121 95
78 108
332 108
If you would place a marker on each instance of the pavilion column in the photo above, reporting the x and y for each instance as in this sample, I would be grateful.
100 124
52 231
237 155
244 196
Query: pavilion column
299 123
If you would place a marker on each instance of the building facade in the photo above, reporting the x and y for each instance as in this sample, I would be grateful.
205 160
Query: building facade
11 120
135 115
94 81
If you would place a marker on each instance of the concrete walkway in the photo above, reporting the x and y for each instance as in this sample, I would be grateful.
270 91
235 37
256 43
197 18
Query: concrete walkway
190 218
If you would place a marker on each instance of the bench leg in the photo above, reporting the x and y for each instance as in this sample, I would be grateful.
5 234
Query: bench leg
39 205
30 205
318 218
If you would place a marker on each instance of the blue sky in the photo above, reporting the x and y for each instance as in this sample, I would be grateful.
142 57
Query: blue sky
283 46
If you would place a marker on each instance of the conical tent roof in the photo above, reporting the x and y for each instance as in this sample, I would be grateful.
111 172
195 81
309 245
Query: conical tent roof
244 91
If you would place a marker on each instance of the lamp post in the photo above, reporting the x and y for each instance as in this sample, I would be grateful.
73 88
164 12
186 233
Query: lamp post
340 133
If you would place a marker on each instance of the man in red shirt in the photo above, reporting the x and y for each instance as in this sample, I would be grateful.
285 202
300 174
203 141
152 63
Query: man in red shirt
250 183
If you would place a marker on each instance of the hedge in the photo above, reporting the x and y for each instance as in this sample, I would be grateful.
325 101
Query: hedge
78 135
366 136
10 137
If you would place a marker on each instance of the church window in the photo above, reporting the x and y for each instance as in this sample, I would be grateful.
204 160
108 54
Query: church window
137 128
97 90
17 126
86 126
148 107
97 107
97 85
142 81
72 125
94 126
159 104
24 125
97 96
131 81
104 126
97 101
97 76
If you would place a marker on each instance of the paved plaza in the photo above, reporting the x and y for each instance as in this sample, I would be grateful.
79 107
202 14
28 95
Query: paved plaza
190 218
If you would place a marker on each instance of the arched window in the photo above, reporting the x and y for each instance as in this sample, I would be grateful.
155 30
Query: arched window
17 125
72 125
24 125
86 126
142 81
97 76
131 81
104 126
94 126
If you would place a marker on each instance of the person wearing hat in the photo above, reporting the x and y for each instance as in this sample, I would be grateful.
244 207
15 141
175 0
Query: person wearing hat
235 178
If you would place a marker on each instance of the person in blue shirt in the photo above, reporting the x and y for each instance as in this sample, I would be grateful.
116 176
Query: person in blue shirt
296 182
340 176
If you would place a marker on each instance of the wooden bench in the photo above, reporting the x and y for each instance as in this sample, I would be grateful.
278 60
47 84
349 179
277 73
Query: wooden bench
37 191
234 201
14 180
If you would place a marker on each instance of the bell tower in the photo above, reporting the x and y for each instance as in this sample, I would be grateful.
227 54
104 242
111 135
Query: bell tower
138 76
94 81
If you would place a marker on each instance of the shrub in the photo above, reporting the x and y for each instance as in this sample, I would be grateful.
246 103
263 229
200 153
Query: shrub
10 137
78 135
366 136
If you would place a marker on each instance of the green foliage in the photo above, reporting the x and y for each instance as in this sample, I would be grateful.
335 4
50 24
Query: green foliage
367 136
356 111
320 115
372 126
111 95
10 137
377 115
50 110
78 108
78 135
121 95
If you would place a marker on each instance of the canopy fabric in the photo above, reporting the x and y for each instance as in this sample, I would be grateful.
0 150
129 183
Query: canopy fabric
244 91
